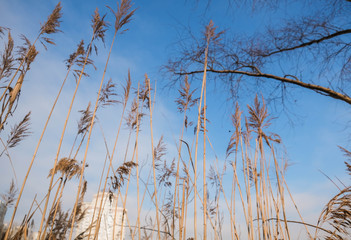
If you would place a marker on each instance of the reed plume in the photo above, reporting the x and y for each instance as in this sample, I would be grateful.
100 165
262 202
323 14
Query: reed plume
7 58
10 196
19 132
107 94
117 180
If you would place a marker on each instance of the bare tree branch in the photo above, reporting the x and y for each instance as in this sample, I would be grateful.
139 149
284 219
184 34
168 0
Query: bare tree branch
317 88
306 44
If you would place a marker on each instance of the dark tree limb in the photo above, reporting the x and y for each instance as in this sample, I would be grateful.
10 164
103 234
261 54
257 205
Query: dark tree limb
306 44
287 79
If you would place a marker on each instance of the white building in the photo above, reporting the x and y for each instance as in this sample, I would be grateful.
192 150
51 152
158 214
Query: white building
3 209
110 216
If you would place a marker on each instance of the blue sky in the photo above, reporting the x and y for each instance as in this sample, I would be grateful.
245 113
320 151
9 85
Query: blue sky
310 143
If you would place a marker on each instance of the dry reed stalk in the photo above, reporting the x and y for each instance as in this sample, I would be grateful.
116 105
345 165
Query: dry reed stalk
247 176
83 63
102 173
181 218
247 182
69 168
198 130
137 168
30 209
13 96
83 125
281 191
27 56
123 16
202 203
232 208
9 156
137 176
233 146
186 207
277 228
141 204
98 219
98 32
262 187
30 214
53 204
124 202
97 197
124 210
232 205
151 197
184 102
220 178
258 120
63 133
273 208
185 169
125 101
134 122
210 35
56 210
204 157
132 126
259 204
163 206
176 187
297 209
77 53
265 201
116 204
257 192
25 231
144 194
72 172
36 150
235 175
147 81
124 169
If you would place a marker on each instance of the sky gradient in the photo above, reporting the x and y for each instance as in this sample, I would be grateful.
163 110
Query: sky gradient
318 124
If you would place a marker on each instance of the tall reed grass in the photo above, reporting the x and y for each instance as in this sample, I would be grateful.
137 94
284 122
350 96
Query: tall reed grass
243 195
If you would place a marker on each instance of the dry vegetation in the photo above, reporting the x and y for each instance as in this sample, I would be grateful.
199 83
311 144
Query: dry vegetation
246 192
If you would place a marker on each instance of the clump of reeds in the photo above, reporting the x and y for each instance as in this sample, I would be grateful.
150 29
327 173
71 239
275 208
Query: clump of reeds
337 212
62 220
26 56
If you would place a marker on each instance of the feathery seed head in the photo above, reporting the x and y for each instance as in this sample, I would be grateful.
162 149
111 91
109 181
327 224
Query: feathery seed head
53 22
123 15
19 132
